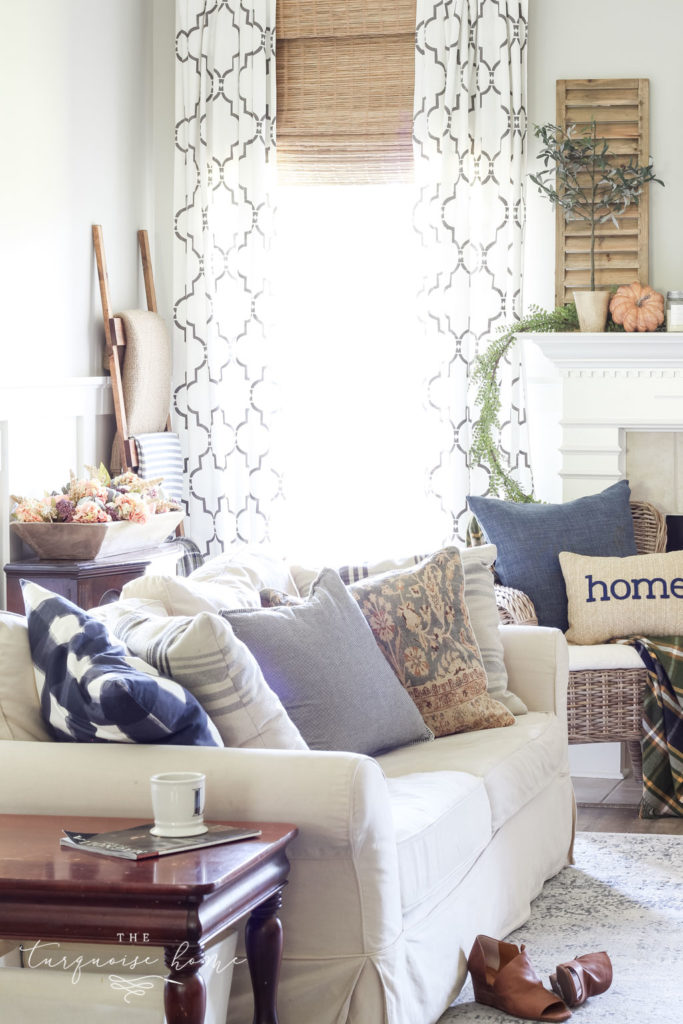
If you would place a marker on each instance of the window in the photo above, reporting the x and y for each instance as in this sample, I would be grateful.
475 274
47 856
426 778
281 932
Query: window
350 367
352 428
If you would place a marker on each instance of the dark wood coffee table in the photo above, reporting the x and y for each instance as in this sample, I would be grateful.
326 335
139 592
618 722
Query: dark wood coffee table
184 902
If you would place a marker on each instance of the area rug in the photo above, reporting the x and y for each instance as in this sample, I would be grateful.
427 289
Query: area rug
624 894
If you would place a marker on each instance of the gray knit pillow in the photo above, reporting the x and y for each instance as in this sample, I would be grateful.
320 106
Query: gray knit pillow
321 659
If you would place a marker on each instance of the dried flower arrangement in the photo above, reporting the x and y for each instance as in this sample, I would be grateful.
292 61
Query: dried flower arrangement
97 498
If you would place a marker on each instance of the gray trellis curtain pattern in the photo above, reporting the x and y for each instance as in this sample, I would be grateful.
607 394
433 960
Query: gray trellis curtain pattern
469 146
224 399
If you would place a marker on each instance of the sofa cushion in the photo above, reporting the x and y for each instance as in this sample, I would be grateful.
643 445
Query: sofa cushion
514 764
442 821
20 717
420 621
187 596
620 597
529 538
589 657
320 658
480 599
203 654
90 692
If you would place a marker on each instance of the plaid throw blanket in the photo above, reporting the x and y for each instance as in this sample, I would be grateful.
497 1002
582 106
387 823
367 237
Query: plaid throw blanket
662 740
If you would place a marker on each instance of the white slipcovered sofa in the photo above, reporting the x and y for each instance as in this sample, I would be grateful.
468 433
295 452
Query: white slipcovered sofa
400 859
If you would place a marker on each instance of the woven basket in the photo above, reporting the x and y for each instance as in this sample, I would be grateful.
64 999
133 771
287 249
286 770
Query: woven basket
649 527
606 706
514 607
603 705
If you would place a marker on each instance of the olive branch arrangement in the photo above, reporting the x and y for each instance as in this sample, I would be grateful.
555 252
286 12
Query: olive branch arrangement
585 180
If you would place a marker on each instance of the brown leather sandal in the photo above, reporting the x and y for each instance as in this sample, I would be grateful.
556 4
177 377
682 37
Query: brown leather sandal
503 977
588 975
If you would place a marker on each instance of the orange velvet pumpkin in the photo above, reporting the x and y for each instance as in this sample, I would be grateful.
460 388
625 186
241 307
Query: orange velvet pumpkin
638 307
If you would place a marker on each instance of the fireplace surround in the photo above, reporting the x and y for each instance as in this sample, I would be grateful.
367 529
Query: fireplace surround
602 407
586 394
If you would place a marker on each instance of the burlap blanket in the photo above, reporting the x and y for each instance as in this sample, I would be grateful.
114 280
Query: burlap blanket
145 379
662 739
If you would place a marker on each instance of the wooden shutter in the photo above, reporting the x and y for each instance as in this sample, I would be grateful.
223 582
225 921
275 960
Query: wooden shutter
345 83
620 108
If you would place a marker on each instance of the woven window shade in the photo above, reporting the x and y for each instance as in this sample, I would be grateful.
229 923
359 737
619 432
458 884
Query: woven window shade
621 110
345 82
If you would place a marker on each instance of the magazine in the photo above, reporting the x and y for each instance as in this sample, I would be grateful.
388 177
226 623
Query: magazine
138 843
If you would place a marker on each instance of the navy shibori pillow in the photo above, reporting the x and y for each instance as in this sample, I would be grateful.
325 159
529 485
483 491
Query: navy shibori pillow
91 692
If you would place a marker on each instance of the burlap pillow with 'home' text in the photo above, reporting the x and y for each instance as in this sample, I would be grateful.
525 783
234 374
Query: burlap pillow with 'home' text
620 597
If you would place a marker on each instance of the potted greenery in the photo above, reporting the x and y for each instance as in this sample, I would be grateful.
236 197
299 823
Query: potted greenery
588 183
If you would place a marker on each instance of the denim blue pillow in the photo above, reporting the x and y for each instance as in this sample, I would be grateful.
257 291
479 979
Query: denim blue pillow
90 691
530 537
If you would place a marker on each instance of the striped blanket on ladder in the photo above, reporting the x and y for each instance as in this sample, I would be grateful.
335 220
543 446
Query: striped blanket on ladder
662 740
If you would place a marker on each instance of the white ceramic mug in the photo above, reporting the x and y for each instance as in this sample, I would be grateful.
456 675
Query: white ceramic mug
178 803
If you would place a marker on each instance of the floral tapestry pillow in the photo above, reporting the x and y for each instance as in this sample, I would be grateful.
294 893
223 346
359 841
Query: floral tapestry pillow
420 621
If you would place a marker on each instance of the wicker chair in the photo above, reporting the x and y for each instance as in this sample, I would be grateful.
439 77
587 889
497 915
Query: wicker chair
603 705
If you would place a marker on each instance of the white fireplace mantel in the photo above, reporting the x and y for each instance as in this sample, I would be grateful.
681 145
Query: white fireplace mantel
644 352
585 392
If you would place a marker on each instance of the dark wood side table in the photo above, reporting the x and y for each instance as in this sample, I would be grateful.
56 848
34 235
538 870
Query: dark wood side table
184 902
87 584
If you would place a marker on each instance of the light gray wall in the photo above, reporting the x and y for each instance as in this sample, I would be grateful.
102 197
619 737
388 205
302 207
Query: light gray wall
609 39
86 95
163 136
75 105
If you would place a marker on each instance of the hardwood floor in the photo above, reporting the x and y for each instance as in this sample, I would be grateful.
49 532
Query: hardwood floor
608 805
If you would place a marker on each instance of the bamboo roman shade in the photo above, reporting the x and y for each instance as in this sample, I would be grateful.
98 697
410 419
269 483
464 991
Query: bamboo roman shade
621 110
345 82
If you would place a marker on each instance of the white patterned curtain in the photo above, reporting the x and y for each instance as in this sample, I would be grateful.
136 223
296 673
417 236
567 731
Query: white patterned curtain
469 142
224 166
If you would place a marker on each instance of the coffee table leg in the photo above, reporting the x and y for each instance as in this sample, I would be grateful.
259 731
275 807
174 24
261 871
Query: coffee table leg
184 989
263 940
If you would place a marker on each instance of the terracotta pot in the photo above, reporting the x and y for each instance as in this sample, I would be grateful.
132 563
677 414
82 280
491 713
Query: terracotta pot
591 308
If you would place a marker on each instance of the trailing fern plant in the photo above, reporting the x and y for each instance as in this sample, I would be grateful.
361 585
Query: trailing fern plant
485 448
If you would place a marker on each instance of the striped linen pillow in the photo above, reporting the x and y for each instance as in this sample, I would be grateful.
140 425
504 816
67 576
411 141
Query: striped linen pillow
202 653
159 455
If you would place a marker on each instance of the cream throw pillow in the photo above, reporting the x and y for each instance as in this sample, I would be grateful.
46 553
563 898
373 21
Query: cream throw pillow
620 597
